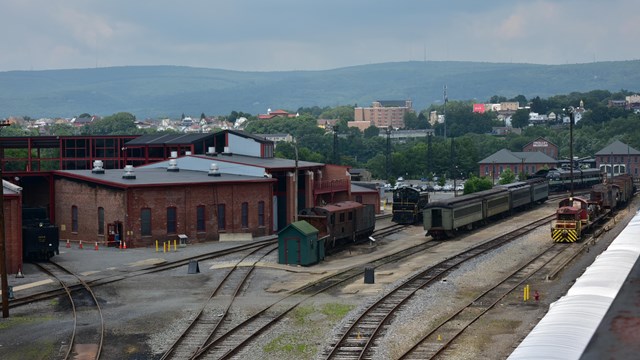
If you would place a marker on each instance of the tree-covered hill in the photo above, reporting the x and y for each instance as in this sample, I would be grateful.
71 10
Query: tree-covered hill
156 91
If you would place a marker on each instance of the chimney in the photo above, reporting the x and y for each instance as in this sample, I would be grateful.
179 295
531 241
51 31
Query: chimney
128 172
213 170
173 166
97 167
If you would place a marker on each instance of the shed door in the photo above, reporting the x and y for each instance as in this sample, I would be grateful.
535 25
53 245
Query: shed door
292 251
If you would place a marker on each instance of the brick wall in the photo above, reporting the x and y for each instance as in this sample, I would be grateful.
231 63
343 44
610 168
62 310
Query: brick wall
13 233
186 199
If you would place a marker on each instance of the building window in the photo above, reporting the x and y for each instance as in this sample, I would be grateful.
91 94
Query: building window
359 198
222 221
100 221
200 223
145 221
245 215
74 219
172 220
260 213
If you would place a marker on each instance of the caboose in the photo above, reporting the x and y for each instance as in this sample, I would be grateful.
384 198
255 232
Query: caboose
341 222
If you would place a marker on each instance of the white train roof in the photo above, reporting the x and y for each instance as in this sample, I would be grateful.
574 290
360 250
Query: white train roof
571 321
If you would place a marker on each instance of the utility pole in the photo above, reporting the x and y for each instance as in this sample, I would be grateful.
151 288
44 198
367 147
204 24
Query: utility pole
571 112
3 258
295 180
388 164
444 117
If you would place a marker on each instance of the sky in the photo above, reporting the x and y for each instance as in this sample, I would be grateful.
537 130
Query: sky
282 35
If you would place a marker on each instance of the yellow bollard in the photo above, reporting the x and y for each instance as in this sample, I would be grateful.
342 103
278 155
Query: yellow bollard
439 337
525 295
164 247
175 245
156 245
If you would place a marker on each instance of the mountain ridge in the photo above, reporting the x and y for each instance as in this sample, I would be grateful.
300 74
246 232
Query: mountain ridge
171 90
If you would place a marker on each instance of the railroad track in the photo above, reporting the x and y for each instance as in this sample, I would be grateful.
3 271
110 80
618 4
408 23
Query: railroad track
49 294
231 342
213 315
359 339
438 340
88 324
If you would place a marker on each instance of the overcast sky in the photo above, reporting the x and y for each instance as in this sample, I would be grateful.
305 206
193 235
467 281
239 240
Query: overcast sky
267 35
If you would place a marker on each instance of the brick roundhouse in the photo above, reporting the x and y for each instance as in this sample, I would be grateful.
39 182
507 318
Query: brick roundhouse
149 204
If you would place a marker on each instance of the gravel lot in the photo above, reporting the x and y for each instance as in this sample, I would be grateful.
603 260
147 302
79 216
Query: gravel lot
143 315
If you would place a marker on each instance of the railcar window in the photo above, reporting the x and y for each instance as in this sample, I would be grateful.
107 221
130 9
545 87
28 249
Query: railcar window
458 213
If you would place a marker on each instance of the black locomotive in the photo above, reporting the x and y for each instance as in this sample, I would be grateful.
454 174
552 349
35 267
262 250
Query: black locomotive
408 204
342 222
40 238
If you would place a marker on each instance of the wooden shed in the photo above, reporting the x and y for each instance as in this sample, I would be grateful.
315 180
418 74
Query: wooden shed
298 244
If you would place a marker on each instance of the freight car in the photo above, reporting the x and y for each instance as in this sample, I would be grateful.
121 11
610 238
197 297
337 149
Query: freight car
577 215
408 204
40 238
342 222
445 218
561 179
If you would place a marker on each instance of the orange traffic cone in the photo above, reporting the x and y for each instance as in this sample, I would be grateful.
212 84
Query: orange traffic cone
68 244
124 246
96 248
80 246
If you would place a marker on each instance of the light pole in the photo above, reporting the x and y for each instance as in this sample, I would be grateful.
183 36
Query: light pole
3 259
444 115
571 110
388 164
295 180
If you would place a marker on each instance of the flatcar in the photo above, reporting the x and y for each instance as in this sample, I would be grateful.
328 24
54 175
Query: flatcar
408 204
577 215
342 222
561 179
40 238
445 218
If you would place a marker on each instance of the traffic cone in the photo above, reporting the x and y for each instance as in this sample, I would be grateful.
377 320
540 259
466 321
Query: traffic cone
96 248
19 274
124 246
80 246
68 244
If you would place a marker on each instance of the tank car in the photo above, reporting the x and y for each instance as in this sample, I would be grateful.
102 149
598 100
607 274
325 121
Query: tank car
408 204
40 238
341 222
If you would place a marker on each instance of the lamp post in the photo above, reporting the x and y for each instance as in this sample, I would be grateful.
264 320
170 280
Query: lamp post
3 259
388 162
571 110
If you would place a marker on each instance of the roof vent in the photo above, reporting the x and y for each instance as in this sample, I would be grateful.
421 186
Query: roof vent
173 166
174 154
213 170
97 167
187 153
211 150
128 172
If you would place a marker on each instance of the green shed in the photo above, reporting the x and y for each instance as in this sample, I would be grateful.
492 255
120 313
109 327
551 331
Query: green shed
298 243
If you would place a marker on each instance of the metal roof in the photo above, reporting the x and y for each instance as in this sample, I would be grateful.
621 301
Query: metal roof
571 322
145 177
161 139
618 148
505 156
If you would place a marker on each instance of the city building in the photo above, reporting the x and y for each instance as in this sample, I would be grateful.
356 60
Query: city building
542 145
528 162
384 113
618 158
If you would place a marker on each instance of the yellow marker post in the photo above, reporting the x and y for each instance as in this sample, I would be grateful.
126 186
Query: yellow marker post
156 245
175 245
439 337
525 296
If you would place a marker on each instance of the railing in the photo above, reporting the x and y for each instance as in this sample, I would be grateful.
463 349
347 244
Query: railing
328 186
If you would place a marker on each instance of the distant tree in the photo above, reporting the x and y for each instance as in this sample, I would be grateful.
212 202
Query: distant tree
371 131
122 123
495 99
475 184
521 99
84 116
202 116
62 130
520 119
410 120
507 177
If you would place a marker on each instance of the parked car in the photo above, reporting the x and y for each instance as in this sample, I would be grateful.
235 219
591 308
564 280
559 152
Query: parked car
437 187
447 187
460 187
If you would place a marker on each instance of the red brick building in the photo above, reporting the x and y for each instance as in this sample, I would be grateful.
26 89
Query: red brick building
148 204
12 201
542 145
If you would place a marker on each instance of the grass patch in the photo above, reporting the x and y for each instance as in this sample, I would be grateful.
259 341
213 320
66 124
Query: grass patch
36 350
291 345
20 320
300 314
336 311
